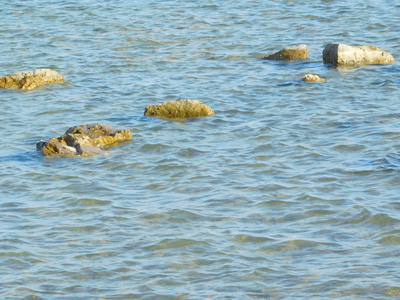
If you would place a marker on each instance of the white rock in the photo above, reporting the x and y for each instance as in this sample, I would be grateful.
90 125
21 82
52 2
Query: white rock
344 55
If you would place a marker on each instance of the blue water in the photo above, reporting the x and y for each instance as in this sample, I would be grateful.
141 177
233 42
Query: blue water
289 192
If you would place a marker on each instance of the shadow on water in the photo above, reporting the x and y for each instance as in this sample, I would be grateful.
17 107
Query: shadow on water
290 83
34 158
26 157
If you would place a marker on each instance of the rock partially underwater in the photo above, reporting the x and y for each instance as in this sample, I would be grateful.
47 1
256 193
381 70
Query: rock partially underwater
298 52
344 55
27 80
83 140
312 78
182 109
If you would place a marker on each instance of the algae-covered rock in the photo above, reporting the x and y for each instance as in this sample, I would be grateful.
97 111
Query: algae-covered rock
27 80
184 108
344 55
298 52
83 140
312 78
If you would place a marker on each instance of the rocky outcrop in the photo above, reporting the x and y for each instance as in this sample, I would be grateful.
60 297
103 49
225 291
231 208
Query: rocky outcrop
83 140
27 80
312 78
184 108
344 55
298 52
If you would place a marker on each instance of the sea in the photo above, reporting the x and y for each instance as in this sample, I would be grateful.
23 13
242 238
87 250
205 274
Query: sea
290 191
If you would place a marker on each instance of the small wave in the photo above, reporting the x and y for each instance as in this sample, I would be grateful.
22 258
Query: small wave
97 255
389 162
190 152
390 239
154 148
298 244
176 244
244 238
365 217
92 202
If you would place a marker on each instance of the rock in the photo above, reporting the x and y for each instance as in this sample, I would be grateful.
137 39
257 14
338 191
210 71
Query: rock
344 55
313 78
298 52
27 80
83 140
184 108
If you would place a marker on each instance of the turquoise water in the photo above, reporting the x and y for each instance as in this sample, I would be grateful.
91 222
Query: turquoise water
289 191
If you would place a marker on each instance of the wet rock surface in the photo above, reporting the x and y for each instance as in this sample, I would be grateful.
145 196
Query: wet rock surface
184 108
312 78
298 52
83 140
27 80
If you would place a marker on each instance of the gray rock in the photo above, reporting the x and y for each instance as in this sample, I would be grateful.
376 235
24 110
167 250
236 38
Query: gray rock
27 80
298 52
182 109
344 55
83 140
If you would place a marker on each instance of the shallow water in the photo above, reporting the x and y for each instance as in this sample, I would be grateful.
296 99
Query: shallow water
289 191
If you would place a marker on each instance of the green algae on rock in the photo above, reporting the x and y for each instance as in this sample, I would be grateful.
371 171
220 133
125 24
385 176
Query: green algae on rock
27 80
83 140
298 52
182 109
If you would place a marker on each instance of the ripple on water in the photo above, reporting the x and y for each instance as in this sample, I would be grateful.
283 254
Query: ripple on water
289 191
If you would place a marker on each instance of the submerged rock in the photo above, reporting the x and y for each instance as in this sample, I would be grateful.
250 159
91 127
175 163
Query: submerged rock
312 78
344 55
83 140
184 108
298 52
27 80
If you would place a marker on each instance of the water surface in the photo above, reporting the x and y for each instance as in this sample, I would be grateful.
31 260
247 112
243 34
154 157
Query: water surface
289 191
